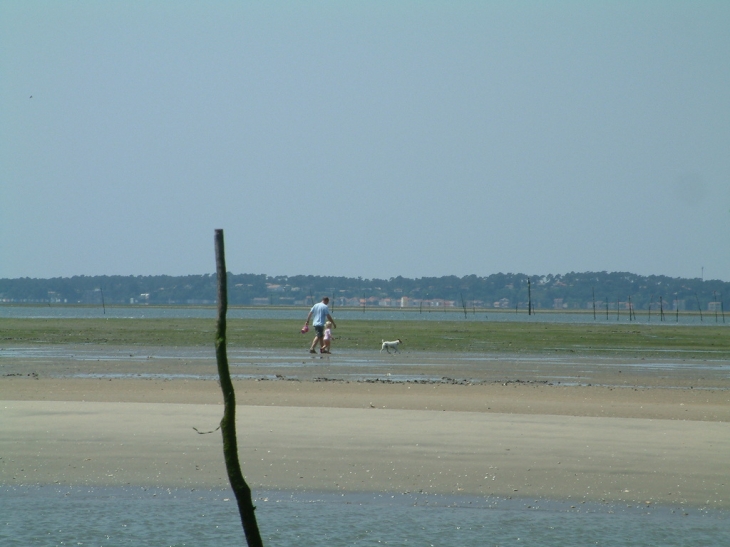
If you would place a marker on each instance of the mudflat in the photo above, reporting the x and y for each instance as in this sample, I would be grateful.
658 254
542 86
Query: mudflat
585 428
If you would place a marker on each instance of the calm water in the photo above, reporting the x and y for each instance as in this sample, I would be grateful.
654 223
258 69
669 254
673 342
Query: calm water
349 365
51 516
370 314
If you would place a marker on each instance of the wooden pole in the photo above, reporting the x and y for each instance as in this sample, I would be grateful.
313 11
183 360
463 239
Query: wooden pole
698 302
241 490
661 309
676 305
631 311
593 291
651 301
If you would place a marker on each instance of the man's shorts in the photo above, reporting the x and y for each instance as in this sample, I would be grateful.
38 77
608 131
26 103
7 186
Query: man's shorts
319 329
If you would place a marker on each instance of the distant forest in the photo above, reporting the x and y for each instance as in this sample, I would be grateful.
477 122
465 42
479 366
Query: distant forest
570 291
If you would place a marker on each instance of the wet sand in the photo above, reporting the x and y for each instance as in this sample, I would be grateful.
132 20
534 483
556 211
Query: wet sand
557 427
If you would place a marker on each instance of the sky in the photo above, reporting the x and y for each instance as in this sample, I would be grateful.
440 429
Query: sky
365 139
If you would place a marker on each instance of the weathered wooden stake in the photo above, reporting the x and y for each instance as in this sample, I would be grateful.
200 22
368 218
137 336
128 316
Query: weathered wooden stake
651 301
593 291
661 308
698 303
676 305
631 311
241 490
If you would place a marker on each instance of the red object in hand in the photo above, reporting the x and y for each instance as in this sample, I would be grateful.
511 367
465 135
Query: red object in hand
305 329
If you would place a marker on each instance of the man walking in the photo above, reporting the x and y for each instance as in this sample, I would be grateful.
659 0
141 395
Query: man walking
321 314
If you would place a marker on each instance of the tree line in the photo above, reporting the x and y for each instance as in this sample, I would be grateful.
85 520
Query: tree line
513 291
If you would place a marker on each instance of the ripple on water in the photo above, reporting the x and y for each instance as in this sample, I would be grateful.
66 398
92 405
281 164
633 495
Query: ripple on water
56 515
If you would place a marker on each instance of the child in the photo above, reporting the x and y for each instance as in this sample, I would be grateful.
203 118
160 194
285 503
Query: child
327 338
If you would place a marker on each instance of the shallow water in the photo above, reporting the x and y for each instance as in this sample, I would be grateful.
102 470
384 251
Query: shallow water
32 515
370 314
182 363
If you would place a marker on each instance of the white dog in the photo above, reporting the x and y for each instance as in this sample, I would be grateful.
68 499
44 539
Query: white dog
387 346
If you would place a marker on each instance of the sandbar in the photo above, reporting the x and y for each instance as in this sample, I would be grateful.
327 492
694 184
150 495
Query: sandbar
505 432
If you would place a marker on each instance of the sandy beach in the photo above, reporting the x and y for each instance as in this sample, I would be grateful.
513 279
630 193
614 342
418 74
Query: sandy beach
561 427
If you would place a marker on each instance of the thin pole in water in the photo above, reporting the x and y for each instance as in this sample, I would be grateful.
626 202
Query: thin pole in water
630 310
698 305
651 301
676 305
593 291
722 309
661 309
238 484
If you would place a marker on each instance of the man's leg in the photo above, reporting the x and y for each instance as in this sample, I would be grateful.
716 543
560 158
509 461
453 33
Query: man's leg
314 343
319 330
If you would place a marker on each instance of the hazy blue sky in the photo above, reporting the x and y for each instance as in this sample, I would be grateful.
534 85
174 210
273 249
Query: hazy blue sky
370 139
